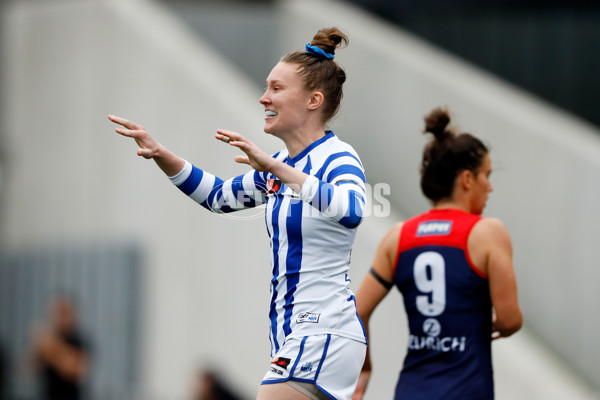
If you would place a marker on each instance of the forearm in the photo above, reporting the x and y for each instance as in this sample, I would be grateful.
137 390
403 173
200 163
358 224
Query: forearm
367 366
290 176
168 162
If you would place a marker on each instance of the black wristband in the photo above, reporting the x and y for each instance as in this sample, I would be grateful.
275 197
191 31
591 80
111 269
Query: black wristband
386 284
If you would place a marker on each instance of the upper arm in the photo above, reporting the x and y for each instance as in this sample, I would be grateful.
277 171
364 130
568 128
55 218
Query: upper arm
371 292
338 189
493 237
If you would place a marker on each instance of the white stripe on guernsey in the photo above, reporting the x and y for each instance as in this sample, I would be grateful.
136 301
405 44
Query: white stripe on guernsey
340 204
182 175
228 196
204 188
251 190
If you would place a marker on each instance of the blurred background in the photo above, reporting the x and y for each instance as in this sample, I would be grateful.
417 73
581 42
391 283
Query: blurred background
168 301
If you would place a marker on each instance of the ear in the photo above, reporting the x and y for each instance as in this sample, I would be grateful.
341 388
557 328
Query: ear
315 100
466 178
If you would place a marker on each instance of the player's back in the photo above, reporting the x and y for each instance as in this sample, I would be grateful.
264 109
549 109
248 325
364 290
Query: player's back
448 306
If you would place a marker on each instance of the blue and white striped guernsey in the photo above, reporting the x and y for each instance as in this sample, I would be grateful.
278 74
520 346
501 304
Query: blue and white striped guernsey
311 232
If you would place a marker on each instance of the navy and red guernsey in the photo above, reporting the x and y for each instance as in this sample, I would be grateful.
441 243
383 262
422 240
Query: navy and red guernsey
447 301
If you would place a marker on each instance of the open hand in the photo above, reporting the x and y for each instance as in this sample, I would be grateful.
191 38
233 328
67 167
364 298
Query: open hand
255 156
148 146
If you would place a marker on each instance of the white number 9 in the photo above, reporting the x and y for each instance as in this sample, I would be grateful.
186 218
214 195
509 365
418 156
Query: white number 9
433 283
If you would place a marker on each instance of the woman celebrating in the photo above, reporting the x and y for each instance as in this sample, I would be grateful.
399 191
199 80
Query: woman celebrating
454 270
314 191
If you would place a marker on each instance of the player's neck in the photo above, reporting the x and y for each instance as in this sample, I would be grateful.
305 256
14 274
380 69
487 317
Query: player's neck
451 203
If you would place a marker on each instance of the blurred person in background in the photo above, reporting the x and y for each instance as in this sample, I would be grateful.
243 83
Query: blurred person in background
208 385
59 353
314 191
455 272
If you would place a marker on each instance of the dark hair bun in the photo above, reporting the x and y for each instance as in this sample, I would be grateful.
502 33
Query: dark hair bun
436 122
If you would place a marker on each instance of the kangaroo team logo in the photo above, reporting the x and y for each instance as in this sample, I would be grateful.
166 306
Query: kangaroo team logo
273 186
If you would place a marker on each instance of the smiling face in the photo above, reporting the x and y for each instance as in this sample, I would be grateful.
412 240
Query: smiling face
285 100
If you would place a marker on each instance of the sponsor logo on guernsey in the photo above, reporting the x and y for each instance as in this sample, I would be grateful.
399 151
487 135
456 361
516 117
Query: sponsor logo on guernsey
432 328
434 228
308 317
281 362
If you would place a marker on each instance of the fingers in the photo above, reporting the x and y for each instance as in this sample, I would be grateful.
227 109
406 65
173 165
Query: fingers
242 160
124 122
146 153
222 138
129 133
229 136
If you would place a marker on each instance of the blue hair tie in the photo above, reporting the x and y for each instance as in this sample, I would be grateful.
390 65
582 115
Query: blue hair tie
319 52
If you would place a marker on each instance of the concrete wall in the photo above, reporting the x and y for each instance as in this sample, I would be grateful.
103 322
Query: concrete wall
71 178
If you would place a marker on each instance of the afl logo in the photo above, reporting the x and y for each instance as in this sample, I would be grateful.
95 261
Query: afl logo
432 327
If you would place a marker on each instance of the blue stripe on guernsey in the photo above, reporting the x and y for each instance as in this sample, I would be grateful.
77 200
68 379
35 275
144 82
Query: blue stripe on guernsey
244 198
346 170
192 182
308 166
220 199
323 196
354 214
214 192
345 182
333 157
260 180
237 190
293 261
294 256
274 281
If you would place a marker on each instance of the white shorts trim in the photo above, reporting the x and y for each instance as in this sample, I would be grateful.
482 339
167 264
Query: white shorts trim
331 363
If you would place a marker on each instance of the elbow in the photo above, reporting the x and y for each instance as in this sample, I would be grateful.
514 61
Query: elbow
354 213
351 221
517 324
510 326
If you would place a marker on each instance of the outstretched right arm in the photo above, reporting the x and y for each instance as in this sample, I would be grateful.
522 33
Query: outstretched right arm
209 191
168 162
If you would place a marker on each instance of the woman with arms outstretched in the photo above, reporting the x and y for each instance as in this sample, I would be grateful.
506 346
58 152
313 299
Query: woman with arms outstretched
314 192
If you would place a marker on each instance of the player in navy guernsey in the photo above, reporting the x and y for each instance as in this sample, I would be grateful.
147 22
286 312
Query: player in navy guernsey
454 270
314 197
